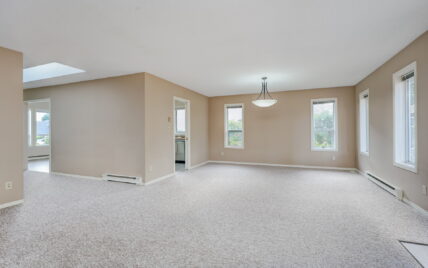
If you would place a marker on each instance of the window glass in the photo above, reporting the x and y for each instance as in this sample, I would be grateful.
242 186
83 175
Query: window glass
234 126
323 125
410 121
180 117
364 122
42 128
29 120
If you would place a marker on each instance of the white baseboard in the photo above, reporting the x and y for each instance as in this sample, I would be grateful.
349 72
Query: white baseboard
76 176
281 165
172 174
159 179
36 171
11 204
416 207
405 200
360 172
199 165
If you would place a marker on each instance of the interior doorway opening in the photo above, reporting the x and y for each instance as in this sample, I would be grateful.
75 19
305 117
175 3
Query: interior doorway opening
38 135
181 134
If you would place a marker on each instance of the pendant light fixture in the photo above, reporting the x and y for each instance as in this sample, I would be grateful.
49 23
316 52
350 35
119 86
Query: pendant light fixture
264 99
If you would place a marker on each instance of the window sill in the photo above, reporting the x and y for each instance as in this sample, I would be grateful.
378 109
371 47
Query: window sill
323 150
233 147
407 167
364 154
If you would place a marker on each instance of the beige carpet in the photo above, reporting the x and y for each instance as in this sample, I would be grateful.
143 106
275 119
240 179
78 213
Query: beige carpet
212 216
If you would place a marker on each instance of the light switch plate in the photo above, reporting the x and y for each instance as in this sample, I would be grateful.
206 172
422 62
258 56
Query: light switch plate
8 185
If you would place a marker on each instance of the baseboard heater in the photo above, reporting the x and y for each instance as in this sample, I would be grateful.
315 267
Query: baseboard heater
397 192
38 156
123 178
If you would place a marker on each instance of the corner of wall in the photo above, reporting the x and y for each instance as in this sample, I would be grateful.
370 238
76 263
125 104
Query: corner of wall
12 115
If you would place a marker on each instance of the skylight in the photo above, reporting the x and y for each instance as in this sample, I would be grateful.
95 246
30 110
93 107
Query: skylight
49 70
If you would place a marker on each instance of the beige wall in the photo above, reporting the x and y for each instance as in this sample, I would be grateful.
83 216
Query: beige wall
97 126
281 134
380 160
120 125
11 119
159 125
125 125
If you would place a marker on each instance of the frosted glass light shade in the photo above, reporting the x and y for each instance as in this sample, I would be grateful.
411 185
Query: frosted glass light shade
264 103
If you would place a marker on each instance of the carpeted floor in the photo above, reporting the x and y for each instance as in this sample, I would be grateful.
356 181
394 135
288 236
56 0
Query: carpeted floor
212 216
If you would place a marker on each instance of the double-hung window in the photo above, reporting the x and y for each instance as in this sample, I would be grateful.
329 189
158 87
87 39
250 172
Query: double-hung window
234 126
324 124
405 118
364 122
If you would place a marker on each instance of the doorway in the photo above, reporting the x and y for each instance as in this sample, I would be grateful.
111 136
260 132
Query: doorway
38 135
181 135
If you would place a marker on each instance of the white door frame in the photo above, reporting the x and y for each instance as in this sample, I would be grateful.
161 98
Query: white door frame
50 130
187 142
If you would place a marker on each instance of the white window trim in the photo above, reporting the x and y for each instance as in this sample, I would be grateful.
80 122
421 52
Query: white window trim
362 93
225 126
336 127
396 77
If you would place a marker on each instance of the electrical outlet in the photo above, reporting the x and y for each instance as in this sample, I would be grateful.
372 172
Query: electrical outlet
150 168
424 189
8 185
333 157
221 153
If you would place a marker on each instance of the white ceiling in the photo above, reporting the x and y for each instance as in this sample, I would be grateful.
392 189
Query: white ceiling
218 47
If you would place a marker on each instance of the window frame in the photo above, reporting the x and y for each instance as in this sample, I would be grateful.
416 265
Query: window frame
397 118
336 126
361 97
226 131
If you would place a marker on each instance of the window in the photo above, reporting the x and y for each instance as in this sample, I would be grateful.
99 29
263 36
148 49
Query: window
30 129
405 118
364 122
48 70
234 126
38 127
324 125
180 120
42 128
